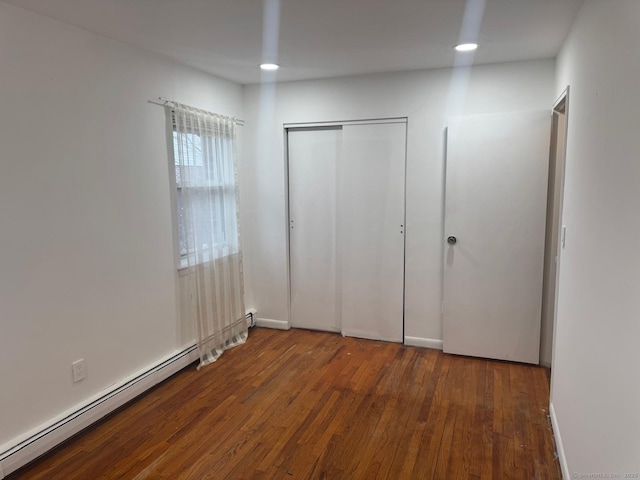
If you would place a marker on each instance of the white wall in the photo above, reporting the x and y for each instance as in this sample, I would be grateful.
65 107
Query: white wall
427 98
596 392
86 264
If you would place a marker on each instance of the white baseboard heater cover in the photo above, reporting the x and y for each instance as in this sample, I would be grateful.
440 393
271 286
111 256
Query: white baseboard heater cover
48 437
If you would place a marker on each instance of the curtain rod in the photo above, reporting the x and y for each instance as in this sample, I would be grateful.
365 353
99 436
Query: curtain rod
163 102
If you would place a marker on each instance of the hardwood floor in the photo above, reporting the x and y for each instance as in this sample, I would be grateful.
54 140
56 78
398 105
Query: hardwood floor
312 405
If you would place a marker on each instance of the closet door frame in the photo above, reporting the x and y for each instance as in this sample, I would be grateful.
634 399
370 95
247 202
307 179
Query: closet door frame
338 123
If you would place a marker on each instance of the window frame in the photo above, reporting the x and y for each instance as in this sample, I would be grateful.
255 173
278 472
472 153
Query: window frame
222 189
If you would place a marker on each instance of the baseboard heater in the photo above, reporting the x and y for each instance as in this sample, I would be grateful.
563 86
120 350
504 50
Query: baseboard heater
51 436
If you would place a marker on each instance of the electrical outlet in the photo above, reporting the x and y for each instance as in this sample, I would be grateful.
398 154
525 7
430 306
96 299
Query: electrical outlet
79 370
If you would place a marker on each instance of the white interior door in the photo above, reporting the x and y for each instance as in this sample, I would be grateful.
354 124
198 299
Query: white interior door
371 230
313 157
496 186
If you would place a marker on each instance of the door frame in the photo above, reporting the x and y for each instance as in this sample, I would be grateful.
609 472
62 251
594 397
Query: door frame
561 105
328 124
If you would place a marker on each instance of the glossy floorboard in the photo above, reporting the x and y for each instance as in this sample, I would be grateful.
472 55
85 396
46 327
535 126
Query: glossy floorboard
313 405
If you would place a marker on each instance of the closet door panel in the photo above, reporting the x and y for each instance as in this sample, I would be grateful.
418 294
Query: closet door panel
371 178
313 156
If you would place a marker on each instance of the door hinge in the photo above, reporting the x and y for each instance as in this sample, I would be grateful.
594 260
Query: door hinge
442 308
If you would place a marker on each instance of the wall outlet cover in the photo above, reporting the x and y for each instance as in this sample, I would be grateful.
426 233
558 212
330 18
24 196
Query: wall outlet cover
79 370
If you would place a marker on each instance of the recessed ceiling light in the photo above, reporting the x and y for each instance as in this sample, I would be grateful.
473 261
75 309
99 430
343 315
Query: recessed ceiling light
466 47
269 66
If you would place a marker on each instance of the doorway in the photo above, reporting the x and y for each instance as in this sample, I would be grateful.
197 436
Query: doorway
555 231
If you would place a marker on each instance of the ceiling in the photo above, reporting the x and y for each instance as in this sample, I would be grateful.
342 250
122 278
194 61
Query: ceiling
322 38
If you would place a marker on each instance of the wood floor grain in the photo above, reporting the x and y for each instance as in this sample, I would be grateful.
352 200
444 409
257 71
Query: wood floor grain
313 405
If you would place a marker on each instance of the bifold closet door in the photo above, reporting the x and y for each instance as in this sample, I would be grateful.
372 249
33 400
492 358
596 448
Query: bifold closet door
313 157
371 177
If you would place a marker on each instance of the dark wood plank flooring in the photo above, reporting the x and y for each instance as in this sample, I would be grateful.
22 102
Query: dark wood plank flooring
313 405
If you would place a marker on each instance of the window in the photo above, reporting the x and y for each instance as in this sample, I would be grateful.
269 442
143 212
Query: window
205 194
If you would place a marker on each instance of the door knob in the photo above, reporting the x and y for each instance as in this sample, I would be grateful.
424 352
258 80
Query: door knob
451 240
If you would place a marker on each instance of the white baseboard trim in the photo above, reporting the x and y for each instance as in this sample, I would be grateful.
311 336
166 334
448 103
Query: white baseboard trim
564 466
368 336
45 437
269 323
320 328
423 342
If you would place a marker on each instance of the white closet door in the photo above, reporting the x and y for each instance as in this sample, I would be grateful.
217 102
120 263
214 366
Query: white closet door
371 230
313 156
496 187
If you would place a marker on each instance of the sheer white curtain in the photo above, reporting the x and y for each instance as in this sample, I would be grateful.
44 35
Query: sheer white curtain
207 194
